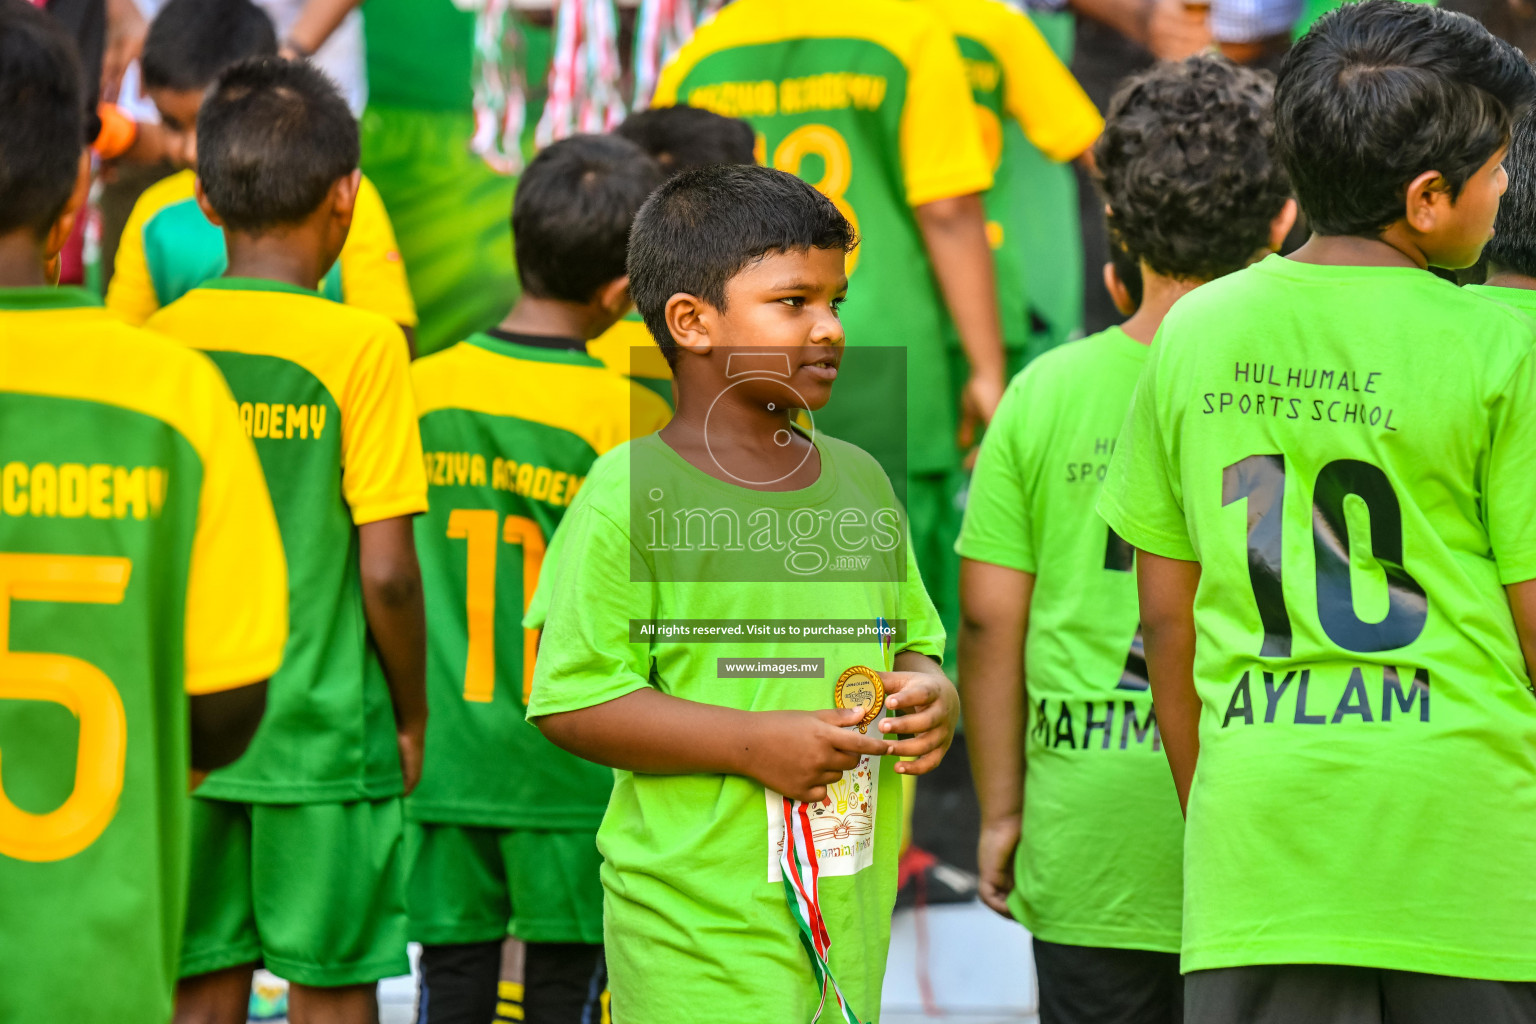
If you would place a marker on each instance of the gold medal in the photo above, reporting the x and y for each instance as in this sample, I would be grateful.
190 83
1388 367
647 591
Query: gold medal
860 687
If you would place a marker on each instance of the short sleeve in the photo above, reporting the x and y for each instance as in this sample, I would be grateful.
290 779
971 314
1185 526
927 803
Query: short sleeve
382 474
925 630
1511 476
131 293
1052 108
998 526
372 273
237 586
1140 498
585 655
942 156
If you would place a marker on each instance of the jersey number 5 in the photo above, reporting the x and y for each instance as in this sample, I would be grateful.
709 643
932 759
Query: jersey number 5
1260 481
477 527
78 685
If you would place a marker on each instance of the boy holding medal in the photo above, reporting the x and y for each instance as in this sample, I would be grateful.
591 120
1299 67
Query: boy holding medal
721 584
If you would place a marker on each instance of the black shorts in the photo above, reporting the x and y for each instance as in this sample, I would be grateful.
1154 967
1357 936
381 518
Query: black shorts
563 983
1329 994
1096 985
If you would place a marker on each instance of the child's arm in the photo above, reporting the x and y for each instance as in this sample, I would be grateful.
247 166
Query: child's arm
928 707
994 618
1166 587
392 603
797 753
222 724
1522 601
955 235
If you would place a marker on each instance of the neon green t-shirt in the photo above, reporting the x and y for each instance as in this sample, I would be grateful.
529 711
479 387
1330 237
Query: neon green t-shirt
324 391
695 921
1350 454
139 563
509 432
1100 861
859 99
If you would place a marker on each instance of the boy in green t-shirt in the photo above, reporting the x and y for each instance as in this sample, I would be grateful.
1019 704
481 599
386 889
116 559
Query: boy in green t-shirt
1328 470
734 606
1091 865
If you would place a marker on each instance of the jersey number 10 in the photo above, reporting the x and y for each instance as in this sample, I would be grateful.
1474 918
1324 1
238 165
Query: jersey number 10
477 527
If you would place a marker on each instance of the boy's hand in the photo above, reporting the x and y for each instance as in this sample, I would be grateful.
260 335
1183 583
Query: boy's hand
994 862
928 707
978 403
803 752
411 742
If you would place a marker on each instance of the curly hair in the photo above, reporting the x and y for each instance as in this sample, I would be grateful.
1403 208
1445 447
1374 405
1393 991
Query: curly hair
1188 167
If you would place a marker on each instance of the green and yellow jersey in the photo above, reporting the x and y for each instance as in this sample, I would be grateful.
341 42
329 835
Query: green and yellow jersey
510 426
1101 859
858 97
169 247
1025 99
1350 455
139 563
628 348
324 390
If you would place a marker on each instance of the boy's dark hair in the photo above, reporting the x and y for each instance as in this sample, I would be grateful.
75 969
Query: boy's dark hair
703 227
572 213
273 136
42 118
682 138
1380 92
191 42
1188 167
1514 234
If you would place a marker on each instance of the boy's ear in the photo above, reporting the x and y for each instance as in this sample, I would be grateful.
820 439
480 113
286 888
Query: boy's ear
1281 225
204 205
1118 292
613 297
344 197
1427 199
688 319
59 233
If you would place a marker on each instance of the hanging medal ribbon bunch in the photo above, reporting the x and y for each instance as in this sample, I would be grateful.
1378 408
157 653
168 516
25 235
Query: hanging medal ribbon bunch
661 29
584 92
500 85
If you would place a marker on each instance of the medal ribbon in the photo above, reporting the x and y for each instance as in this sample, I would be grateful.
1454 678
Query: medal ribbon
801 871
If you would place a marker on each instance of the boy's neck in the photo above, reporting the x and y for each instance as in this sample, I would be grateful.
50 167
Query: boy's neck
1392 249
286 256
1498 277
21 261
1158 294
556 318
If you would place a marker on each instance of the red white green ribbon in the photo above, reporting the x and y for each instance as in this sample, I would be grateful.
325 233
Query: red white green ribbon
801 872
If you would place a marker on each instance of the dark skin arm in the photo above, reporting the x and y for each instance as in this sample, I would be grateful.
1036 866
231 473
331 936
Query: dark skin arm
222 725
797 753
994 619
1522 601
392 603
955 235
1166 588
410 339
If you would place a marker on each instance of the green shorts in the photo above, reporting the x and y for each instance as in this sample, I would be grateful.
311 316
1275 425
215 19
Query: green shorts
470 884
316 891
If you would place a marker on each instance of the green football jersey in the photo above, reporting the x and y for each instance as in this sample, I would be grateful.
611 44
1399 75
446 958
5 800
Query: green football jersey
509 432
695 918
1101 858
324 390
858 98
1350 454
139 563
